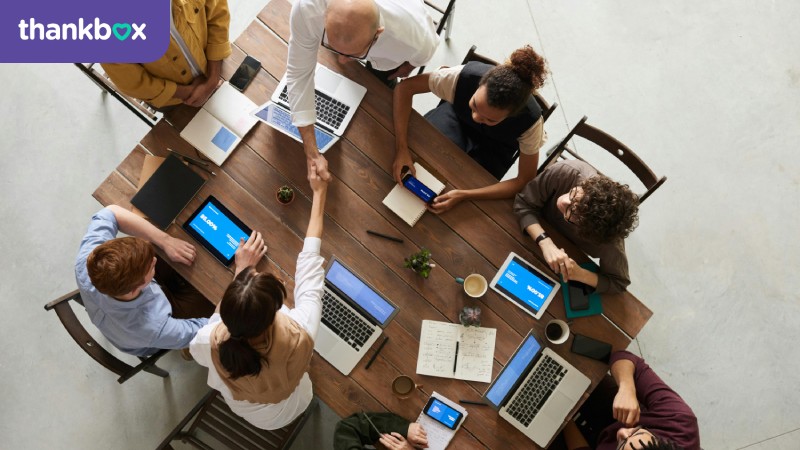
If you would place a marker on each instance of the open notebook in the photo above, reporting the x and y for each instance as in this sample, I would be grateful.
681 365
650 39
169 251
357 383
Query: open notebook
221 124
407 205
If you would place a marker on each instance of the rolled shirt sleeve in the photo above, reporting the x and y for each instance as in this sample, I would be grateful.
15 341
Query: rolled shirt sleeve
306 24
309 282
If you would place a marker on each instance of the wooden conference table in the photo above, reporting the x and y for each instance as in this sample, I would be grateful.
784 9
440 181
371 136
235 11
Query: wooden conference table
472 237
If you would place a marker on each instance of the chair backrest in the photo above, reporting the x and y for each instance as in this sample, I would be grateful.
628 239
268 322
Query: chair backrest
472 55
215 424
85 341
139 107
442 18
614 147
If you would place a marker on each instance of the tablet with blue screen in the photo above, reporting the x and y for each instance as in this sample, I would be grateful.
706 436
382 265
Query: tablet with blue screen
525 285
217 229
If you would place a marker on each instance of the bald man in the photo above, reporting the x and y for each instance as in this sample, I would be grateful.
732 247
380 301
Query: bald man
392 35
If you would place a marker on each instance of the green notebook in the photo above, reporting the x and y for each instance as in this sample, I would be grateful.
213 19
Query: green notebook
595 306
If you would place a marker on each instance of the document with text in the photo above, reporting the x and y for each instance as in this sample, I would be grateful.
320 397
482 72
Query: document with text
454 351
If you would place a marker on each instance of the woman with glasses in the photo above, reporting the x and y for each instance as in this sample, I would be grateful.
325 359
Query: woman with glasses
488 111
634 410
591 210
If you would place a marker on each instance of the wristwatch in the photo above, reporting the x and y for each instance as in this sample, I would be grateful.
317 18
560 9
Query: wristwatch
540 238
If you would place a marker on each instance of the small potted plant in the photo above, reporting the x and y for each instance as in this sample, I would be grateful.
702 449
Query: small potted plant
420 262
285 195
470 317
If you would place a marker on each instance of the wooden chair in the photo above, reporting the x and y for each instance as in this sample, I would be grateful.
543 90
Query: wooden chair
215 425
89 345
444 22
139 107
547 109
613 146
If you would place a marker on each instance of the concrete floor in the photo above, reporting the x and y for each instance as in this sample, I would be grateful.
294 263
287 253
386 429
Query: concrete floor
707 93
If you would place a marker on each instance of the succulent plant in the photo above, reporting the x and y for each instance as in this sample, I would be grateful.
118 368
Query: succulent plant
285 194
420 262
470 317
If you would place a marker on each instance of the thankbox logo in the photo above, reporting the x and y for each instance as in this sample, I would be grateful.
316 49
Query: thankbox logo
31 30
84 31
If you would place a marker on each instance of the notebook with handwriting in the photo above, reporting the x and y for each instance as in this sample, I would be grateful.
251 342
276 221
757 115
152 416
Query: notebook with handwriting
452 350
407 205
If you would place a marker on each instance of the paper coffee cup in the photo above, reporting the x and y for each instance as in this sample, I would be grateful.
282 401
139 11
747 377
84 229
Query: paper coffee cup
556 331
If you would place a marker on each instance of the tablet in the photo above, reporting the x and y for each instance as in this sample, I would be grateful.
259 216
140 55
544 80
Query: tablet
525 285
217 229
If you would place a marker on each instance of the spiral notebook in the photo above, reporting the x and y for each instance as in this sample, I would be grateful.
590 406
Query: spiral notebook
407 205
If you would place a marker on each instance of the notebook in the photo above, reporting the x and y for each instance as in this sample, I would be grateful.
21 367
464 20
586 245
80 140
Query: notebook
167 192
407 205
221 124
354 314
595 305
439 436
536 390
452 350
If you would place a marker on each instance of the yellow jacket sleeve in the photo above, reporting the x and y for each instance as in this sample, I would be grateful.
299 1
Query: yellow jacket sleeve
135 81
218 18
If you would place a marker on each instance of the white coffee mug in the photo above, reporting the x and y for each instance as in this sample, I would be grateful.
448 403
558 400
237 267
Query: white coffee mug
475 285
556 331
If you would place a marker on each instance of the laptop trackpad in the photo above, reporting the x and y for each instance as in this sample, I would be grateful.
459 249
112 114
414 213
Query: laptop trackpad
559 405
327 81
325 342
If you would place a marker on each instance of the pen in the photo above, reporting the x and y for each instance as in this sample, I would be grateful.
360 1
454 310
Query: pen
197 161
193 163
375 355
470 402
455 361
391 238
370 422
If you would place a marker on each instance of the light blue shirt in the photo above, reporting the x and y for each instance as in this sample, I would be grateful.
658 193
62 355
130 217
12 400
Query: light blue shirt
141 326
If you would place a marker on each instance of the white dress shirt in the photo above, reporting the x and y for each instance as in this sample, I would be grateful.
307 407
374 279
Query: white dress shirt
307 311
409 36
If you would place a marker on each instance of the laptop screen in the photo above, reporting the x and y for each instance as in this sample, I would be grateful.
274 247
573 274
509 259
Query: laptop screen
513 372
349 284
524 283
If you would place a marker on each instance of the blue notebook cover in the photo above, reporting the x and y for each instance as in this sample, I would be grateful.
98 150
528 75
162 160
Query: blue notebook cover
595 306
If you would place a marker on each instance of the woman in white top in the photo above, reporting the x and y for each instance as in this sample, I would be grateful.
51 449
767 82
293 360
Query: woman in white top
257 350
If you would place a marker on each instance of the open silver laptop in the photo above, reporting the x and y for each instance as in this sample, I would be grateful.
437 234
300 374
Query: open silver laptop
336 101
354 314
536 390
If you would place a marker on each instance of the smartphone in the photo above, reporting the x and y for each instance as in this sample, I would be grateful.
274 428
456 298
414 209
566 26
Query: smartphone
247 70
442 413
420 190
579 295
591 348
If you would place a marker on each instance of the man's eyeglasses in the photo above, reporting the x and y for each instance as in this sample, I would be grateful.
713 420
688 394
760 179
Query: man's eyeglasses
636 431
573 205
360 58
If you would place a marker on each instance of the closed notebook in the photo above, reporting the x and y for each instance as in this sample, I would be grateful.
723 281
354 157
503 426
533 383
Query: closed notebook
167 192
407 205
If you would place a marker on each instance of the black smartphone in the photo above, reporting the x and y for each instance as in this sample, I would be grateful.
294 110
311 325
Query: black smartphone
418 188
247 70
591 348
579 295
443 413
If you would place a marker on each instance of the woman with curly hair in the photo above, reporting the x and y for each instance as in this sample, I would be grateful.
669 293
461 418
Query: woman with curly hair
591 210
488 111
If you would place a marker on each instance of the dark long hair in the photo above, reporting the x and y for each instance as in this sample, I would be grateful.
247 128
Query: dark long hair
509 85
248 309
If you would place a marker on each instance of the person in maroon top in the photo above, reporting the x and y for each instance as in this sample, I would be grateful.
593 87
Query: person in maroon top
647 414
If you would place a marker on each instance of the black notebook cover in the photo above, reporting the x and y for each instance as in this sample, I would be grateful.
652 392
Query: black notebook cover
167 192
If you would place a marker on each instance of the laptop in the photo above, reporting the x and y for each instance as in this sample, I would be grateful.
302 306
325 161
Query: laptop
536 390
337 99
525 285
354 314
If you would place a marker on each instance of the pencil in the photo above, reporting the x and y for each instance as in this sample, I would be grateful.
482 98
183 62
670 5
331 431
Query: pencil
391 238
375 355
197 161
470 402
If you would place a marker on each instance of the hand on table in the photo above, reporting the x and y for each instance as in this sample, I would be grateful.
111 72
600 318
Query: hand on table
178 250
318 166
395 441
626 406
402 159
417 435
403 71
444 202
250 252
202 92
557 258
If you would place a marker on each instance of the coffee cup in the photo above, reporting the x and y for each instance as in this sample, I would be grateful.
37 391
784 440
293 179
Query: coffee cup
403 386
475 285
557 331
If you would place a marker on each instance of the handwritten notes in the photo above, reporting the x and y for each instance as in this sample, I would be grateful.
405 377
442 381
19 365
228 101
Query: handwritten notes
437 351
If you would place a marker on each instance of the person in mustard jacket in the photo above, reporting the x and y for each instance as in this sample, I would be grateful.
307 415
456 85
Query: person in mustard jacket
190 69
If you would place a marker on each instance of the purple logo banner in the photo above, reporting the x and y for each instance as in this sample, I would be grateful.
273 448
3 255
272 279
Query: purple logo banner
56 31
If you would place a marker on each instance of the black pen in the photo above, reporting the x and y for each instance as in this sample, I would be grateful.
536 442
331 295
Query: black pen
189 158
470 402
193 163
455 362
391 238
375 355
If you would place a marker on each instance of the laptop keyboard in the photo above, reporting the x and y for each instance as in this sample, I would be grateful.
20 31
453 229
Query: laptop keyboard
344 322
330 111
536 390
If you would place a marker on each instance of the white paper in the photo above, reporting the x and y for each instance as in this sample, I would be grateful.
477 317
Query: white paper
407 205
437 351
439 436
